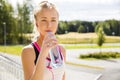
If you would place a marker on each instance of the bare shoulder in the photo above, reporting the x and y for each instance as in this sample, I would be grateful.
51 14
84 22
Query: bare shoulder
27 51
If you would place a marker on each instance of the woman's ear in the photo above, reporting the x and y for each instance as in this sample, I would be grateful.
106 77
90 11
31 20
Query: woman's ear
36 24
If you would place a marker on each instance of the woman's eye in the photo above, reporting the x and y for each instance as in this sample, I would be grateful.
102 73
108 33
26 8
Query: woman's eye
53 20
43 20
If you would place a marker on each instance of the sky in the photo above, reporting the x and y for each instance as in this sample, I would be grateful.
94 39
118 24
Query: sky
85 10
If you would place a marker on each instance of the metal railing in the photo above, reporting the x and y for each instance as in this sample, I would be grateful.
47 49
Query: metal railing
10 69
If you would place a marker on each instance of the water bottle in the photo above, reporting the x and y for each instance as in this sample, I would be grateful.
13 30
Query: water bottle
55 56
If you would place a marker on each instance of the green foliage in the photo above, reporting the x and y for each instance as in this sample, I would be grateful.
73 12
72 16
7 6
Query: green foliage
72 27
115 27
101 37
103 55
88 26
24 39
25 25
62 27
109 27
7 20
16 24
75 26
81 29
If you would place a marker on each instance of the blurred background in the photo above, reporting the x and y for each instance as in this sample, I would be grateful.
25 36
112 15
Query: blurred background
88 29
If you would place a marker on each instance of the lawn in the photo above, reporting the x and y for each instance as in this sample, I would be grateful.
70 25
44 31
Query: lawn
79 47
69 38
14 49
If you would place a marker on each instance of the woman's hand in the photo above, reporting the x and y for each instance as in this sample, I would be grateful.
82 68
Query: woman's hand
49 41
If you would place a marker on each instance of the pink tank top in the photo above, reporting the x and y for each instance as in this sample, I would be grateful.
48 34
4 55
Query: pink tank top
49 72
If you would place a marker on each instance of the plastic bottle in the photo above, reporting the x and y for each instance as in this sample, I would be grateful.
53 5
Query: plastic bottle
55 56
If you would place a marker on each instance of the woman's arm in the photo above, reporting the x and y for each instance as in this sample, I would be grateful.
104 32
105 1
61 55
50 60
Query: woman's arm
28 57
32 72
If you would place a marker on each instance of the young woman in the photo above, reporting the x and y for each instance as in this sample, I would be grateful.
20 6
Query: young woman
36 60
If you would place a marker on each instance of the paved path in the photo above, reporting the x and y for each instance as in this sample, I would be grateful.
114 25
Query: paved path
112 66
10 66
72 58
81 73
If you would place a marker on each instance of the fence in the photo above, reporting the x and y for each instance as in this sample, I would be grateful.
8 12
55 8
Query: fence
10 68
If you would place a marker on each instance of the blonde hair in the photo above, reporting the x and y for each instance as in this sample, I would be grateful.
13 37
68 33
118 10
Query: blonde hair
42 5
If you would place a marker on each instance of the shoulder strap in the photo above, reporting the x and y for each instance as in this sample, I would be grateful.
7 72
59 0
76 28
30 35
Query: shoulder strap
60 52
36 52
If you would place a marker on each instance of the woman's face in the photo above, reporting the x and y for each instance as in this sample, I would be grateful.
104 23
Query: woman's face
46 21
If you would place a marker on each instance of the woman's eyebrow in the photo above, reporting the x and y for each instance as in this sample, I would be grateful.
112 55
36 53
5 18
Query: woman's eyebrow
53 17
44 17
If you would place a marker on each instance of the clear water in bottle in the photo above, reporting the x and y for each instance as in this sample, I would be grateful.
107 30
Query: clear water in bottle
55 56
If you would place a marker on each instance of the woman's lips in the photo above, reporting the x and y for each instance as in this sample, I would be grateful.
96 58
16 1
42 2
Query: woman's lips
48 30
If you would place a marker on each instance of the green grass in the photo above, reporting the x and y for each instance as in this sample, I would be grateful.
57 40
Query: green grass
14 49
79 47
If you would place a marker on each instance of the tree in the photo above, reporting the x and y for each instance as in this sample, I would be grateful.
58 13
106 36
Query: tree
63 27
7 20
101 37
88 26
72 27
25 24
105 26
81 29
107 29
114 26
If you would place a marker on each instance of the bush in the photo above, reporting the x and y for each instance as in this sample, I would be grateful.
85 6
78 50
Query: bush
103 55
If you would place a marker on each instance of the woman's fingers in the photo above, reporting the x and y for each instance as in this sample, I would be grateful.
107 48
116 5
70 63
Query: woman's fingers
50 40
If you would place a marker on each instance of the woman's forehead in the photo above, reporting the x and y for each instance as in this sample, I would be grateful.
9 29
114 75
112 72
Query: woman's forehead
46 12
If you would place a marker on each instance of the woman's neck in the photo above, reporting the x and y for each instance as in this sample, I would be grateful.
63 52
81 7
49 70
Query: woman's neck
40 40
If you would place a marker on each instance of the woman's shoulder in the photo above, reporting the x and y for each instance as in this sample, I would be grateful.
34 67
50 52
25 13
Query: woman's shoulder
27 51
27 48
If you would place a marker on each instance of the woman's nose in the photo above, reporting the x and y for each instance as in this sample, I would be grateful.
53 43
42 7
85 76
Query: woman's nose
49 24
